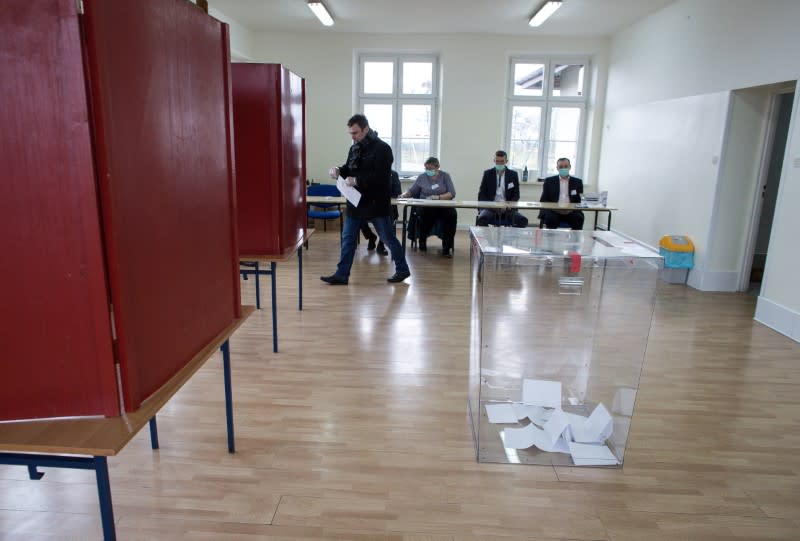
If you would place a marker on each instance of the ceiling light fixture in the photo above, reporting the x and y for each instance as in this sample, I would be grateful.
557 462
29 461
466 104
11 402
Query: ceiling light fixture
321 12
547 9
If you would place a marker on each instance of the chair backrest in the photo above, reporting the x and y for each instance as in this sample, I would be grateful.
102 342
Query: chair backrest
324 190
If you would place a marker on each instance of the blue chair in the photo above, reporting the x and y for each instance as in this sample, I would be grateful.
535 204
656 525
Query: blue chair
325 211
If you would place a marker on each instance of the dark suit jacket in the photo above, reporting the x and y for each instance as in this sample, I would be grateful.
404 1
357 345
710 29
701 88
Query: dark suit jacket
552 189
489 185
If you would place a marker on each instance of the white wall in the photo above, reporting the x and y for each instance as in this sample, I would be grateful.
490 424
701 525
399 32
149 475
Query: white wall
664 179
702 49
242 46
474 74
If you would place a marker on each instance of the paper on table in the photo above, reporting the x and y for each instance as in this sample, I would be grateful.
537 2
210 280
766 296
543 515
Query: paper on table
350 193
501 413
587 454
539 392
527 436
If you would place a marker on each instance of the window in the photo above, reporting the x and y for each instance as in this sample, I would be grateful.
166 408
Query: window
399 96
546 113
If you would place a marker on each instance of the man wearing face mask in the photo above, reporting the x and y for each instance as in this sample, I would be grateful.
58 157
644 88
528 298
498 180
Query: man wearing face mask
368 170
437 185
563 189
500 184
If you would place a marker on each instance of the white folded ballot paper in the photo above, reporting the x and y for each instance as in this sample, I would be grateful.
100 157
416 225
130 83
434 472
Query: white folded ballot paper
350 193
596 428
539 392
501 413
587 454
557 431
530 435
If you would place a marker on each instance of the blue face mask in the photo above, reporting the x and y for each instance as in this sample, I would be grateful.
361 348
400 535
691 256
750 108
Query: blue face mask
499 167
430 172
564 171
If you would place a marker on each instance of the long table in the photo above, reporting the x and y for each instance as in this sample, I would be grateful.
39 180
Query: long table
458 203
497 205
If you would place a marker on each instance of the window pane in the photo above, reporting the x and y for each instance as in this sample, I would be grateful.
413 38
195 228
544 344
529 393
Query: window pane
528 79
417 78
378 77
379 116
568 80
562 141
415 144
526 128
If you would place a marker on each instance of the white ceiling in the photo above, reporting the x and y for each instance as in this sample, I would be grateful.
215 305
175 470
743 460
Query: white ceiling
574 18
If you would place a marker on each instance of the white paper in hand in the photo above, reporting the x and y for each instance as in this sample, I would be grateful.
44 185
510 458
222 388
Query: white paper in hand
350 193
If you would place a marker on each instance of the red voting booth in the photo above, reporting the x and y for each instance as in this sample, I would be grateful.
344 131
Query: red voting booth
269 127
117 205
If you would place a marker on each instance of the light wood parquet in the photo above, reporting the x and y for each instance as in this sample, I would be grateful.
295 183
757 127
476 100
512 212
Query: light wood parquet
357 430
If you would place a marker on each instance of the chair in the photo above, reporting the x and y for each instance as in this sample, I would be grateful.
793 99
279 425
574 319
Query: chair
325 211
415 227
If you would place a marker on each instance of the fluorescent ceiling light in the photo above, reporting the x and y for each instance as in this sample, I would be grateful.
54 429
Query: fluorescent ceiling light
322 14
544 12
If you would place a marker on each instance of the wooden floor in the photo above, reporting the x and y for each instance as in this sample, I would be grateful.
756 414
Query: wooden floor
357 430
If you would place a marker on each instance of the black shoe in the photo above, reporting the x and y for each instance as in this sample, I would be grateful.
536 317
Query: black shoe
334 280
423 247
447 252
371 244
398 277
382 249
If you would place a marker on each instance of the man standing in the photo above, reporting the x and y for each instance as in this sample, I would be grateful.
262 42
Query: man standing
500 184
562 189
368 170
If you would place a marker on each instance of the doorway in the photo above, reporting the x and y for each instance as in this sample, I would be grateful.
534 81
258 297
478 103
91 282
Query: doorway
767 194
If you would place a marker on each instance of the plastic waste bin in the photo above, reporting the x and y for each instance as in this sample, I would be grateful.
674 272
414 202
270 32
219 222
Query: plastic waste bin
678 254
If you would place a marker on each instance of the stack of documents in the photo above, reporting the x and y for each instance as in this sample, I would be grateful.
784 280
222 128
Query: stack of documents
553 430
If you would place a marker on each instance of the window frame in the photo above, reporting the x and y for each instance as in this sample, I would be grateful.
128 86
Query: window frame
548 102
397 98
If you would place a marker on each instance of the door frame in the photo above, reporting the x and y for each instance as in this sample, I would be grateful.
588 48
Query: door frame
746 265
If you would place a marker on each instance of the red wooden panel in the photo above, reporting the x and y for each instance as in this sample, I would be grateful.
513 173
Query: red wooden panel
293 192
158 73
55 345
269 128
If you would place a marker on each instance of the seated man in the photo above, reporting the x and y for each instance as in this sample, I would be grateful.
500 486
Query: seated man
367 231
435 184
563 189
500 184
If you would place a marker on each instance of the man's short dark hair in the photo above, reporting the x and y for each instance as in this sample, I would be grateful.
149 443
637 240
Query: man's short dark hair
564 160
501 154
432 161
359 119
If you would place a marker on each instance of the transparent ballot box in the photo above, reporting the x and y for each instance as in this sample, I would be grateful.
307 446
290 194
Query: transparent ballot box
559 328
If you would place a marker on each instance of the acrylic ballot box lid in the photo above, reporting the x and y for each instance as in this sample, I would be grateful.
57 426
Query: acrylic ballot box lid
559 328
506 241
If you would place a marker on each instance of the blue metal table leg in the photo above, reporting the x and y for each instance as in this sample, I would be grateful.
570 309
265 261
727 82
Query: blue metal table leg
258 289
153 433
33 473
272 267
300 279
226 370
104 494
